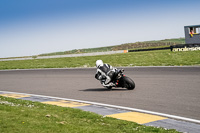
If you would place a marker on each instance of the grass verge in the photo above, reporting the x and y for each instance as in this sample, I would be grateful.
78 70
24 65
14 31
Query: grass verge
146 58
31 117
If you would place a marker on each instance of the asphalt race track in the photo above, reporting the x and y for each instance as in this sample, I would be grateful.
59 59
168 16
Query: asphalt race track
170 90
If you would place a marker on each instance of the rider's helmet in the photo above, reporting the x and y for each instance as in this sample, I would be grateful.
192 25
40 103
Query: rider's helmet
99 63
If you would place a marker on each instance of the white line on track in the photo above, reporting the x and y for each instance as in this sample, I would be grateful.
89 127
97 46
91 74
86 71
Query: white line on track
115 106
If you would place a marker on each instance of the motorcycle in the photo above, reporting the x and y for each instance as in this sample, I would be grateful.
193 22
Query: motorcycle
120 80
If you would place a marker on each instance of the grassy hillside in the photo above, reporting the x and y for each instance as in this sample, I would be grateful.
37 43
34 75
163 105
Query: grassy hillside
137 45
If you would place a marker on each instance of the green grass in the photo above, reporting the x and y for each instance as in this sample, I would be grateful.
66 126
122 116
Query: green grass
20 116
146 58
173 40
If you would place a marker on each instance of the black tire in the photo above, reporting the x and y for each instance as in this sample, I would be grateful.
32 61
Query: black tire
128 83
109 87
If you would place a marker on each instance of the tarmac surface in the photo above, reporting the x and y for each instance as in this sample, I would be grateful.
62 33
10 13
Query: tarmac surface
170 90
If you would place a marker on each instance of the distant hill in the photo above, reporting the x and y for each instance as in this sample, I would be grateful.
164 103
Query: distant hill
136 45
126 46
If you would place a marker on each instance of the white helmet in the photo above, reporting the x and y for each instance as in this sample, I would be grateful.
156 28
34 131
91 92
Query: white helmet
99 63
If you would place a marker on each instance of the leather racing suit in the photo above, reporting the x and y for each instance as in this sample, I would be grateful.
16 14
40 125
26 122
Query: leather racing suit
105 74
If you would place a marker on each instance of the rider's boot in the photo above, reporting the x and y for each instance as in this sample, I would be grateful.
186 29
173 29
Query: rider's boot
109 84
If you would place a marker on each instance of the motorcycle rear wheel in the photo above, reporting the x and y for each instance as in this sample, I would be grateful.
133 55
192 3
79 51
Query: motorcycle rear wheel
128 83
109 87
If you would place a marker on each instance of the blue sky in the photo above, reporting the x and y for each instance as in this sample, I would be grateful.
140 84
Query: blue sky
31 27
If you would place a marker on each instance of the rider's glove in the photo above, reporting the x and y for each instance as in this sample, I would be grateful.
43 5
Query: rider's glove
97 76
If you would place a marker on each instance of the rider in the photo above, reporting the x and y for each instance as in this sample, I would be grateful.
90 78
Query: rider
104 71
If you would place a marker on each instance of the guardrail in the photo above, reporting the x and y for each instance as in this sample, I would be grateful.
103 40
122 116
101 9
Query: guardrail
150 49
185 47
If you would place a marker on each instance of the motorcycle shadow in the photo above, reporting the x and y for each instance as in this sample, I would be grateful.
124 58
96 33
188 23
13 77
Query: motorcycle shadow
105 89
